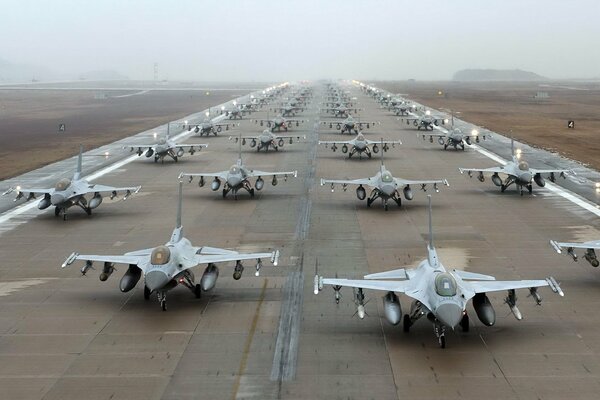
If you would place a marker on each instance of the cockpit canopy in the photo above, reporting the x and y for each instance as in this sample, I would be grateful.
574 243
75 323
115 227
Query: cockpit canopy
360 137
387 177
456 131
523 166
162 141
160 255
234 169
63 184
445 285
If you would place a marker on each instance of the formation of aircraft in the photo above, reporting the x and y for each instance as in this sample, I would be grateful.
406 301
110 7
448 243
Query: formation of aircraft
439 294
165 147
455 137
72 192
359 145
517 172
350 125
166 266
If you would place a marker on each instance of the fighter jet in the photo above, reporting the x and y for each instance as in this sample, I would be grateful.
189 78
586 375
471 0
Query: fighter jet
360 145
341 111
72 192
238 177
437 293
349 125
163 148
384 186
164 267
403 108
425 121
267 139
590 250
288 110
235 112
518 172
454 138
279 123
208 126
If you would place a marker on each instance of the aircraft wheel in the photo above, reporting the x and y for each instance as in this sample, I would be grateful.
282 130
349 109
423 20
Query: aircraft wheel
530 189
251 192
147 293
462 146
385 206
88 211
464 323
175 158
198 291
369 201
442 342
456 147
224 193
502 188
406 323
445 146
595 263
163 305
56 211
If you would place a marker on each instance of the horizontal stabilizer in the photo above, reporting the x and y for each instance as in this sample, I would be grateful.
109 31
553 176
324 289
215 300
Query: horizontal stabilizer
473 276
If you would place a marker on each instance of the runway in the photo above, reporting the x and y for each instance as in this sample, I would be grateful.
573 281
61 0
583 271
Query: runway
67 336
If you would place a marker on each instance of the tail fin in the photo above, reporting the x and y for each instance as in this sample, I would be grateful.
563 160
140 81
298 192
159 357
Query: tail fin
79 163
179 205
381 151
430 223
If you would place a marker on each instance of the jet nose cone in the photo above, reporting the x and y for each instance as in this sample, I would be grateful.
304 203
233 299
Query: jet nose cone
449 314
233 181
57 198
156 280
388 190
526 177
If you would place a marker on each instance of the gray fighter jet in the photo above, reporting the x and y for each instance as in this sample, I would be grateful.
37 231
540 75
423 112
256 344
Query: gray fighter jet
268 139
278 123
349 125
590 250
208 126
288 110
72 192
439 294
518 172
425 121
166 266
455 138
164 147
360 145
384 186
341 111
238 177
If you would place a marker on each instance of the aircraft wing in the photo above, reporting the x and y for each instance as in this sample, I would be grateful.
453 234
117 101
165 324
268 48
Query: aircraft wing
140 148
367 124
348 142
384 141
203 258
363 181
492 170
130 258
255 172
402 182
495 286
30 192
297 137
110 189
558 246
192 148
388 286
562 172
221 175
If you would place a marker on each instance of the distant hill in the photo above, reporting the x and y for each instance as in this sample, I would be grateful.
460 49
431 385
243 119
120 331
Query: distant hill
470 75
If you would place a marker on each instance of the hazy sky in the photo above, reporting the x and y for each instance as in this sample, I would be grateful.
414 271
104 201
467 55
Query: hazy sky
214 40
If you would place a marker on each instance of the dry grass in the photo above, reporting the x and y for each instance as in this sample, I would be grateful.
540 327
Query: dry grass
510 107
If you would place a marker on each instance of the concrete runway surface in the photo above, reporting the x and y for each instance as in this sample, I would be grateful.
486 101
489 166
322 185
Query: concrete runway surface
67 336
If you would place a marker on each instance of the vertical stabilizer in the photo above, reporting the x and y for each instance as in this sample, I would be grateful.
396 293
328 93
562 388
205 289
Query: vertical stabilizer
179 205
431 253
79 164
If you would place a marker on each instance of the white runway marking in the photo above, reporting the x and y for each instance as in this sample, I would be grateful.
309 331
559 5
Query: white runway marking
130 94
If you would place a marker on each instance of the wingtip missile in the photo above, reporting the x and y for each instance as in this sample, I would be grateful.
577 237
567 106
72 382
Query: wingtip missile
555 286
69 260
556 246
